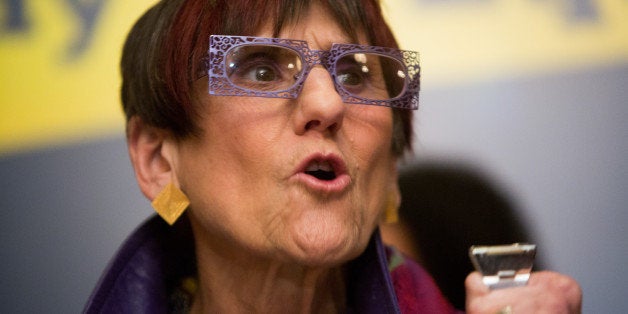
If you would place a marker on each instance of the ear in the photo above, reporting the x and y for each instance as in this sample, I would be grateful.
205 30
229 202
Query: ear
151 160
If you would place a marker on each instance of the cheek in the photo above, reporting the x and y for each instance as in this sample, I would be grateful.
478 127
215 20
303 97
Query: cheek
372 150
230 162
245 123
370 133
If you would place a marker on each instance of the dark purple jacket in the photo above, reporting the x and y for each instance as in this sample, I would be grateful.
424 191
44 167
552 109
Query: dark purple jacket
152 261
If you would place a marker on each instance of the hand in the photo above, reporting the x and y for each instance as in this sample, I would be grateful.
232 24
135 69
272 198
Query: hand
546 292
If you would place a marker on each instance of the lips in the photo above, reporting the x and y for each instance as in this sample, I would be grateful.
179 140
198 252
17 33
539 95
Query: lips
324 173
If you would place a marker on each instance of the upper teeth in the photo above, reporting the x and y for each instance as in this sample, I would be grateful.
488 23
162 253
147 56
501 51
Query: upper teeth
319 165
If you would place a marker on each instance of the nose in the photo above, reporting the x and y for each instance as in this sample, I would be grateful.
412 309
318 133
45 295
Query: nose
319 106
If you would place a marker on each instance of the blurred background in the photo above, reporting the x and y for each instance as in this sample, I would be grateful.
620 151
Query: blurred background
533 93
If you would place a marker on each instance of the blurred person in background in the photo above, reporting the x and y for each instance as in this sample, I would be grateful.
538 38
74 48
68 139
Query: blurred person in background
446 207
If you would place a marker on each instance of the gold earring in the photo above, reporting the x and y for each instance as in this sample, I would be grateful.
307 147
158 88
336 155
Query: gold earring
170 203
391 214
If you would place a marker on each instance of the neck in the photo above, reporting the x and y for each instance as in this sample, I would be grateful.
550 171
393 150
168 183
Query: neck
245 283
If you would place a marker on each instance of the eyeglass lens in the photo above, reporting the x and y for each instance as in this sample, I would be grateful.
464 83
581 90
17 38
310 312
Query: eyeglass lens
270 68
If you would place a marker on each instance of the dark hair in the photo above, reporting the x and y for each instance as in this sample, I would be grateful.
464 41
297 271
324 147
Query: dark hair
163 52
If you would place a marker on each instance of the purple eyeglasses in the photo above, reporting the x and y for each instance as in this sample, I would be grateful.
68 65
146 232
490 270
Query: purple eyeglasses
277 68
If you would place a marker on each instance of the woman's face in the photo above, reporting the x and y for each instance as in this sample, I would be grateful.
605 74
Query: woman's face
255 175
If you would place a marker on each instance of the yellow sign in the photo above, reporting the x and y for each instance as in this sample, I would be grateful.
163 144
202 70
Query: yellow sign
59 78
463 41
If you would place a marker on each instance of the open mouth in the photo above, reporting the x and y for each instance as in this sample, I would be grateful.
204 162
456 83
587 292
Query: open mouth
324 173
322 170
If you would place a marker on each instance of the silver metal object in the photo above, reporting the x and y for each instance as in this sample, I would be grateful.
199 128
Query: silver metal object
504 266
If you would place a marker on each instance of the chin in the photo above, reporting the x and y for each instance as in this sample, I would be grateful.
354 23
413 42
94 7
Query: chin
322 241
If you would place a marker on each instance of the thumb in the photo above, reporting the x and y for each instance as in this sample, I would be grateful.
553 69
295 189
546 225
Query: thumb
474 286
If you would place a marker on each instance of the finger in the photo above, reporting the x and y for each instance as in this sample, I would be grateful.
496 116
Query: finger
474 285
553 283
481 299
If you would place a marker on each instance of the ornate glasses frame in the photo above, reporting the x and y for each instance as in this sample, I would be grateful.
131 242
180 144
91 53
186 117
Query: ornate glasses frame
220 84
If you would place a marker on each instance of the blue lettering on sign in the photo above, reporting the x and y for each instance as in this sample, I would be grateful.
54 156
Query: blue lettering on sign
16 21
583 10
14 18
88 13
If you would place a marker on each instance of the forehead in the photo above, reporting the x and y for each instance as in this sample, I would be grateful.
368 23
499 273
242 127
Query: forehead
318 26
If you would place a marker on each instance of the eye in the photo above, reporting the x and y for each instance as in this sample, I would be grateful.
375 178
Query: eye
354 71
262 67
254 69
261 73
351 75
369 75
350 79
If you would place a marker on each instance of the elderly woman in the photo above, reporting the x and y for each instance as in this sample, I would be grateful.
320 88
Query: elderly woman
280 141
